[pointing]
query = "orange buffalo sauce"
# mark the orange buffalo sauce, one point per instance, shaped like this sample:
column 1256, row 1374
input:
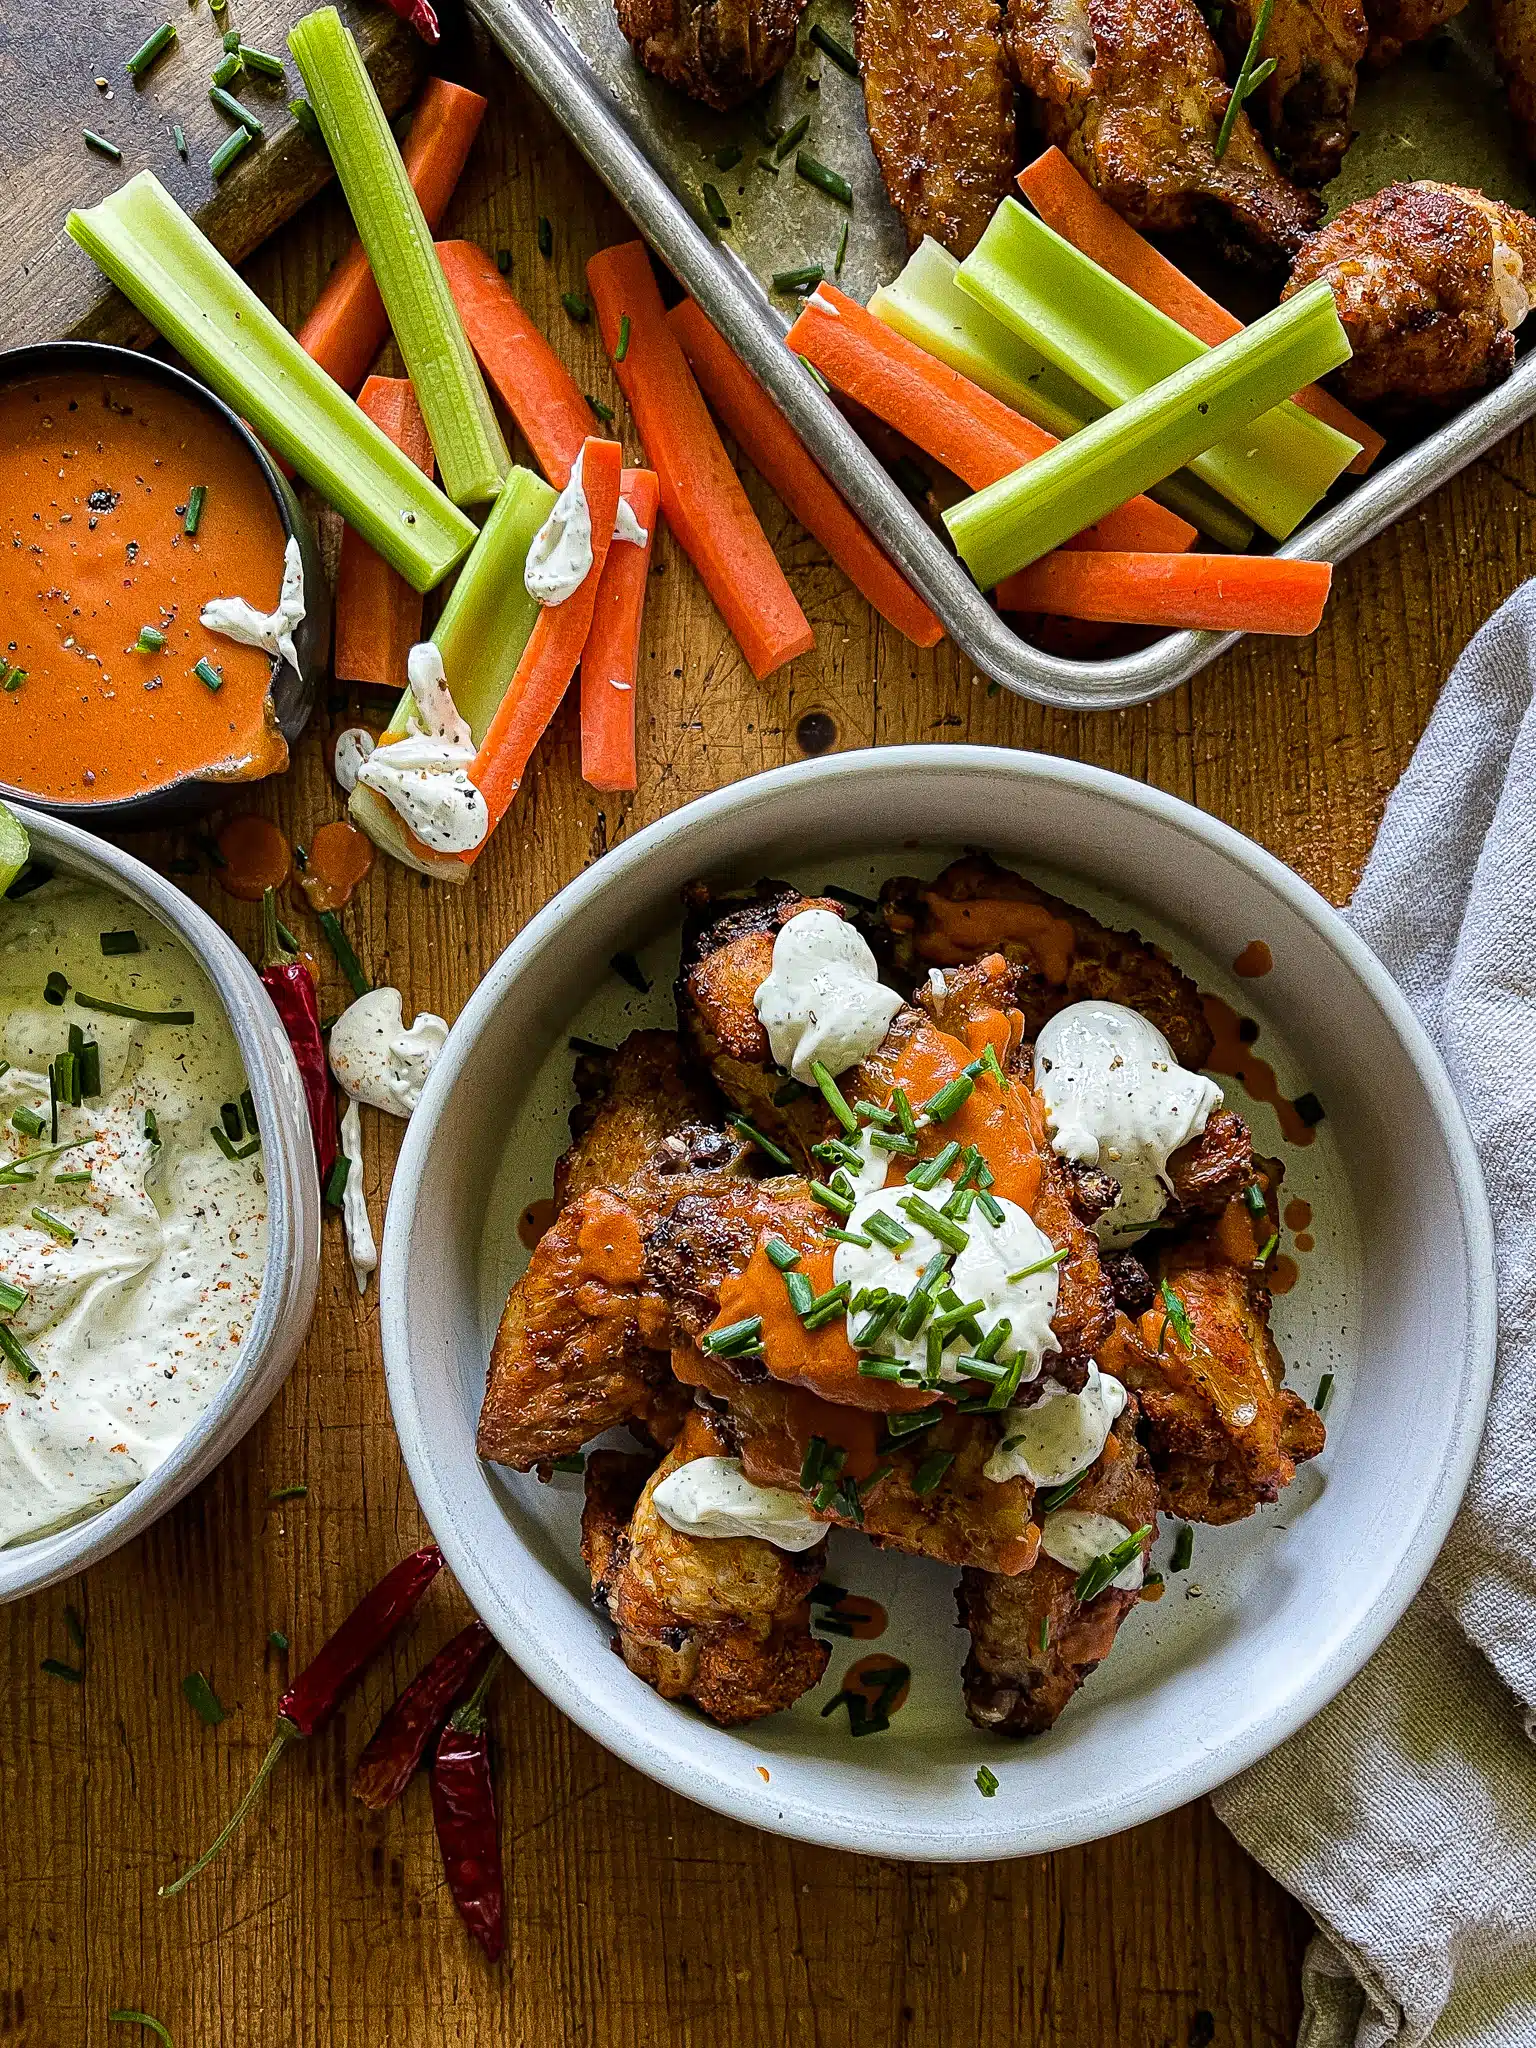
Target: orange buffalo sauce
column 962, row 927
column 97, row 475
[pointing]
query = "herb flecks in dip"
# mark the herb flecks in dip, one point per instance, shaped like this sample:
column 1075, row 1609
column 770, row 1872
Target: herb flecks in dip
column 94, row 494
column 140, row 1280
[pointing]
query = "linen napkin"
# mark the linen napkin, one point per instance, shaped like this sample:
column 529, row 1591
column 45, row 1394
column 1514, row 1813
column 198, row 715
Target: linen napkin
column 1404, row 1816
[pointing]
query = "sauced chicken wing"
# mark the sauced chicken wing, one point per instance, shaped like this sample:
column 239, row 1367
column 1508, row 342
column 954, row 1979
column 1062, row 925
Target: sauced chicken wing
column 1063, row 955
column 1134, row 92
column 1224, row 1433
column 1033, row 1642
column 723, row 1621
column 938, row 96
column 1514, row 40
column 1305, row 106
column 1394, row 24
column 629, row 1102
column 717, row 51
column 1431, row 282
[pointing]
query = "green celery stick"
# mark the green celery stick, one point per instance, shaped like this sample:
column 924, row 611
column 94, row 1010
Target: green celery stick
column 15, row 848
column 926, row 305
column 1023, row 516
column 1116, row 346
column 481, row 635
column 159, row 259
column 471, row 454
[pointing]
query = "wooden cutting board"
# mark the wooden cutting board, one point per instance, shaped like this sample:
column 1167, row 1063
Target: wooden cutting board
column 61, row 72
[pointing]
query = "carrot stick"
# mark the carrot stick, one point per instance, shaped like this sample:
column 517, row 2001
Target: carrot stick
column 378, row 615
column 972, row 433
column 611, row 657
column 347, row 325
column 1206, row 593
column 526, row 374
column 701, row 494
column 774, row 449
column 1065, row 201
column 554, row 648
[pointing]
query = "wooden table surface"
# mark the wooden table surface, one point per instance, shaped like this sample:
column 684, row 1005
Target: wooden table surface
column 634, row 1917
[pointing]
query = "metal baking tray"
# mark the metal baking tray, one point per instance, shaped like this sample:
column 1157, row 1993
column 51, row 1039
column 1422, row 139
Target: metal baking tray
column 1439, row 113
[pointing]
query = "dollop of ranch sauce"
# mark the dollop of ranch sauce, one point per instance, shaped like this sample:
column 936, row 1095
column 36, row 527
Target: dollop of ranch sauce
column 627, row 527
column 1060, row 1435
column 135, row 1324
column 1116, row 1098
column 237, row 619
column 378, row 1061
column 353, row 746
column 823, row 999
column 425, row 775
column 1074, row 1537
column 713, row 1497
column 560, row 553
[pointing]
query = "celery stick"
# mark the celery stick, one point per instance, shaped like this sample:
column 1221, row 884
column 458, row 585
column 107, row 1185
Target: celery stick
column 15, row 848
column 1023, row 516
column 481, row 635
column 925, row 304
column 1116, row 345
column 144, row 242
column 468, row 444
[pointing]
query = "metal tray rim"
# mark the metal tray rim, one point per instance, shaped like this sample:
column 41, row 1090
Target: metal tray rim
column 600, row 128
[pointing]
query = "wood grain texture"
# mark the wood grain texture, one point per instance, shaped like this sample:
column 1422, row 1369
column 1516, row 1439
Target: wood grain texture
column 61, row 71
column 634, row 1918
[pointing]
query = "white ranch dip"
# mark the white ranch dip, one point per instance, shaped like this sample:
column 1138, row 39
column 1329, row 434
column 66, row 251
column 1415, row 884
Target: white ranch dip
column 134, row 1326
column 712, row 1497
column 823, row 1001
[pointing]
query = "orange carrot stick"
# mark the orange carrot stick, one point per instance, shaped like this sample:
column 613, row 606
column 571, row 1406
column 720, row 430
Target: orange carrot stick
column 347, row 325
column 378, row 615
column 1065, row 201
column 525, row 373
column 701, row 494
column 1206, row 593
column 554, row 648
column 611, row 657
column 972, row 433
column 774, row 449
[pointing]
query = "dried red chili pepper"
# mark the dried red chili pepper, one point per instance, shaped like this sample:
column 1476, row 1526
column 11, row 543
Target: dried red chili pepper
column 316, row 1693
column 464, row 1808
column 421, row 17
column 287, row 981
column 389, row 1762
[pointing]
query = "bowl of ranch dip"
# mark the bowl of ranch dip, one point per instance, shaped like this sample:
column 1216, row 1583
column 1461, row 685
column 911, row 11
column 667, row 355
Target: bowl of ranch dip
column 159, row 1211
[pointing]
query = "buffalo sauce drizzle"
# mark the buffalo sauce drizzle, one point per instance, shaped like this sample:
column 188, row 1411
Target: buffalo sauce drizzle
column 961, row 928
column 1233, row 1054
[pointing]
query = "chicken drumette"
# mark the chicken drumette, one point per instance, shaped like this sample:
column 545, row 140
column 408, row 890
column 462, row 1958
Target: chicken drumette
column 1304, row 108
column 717, row 51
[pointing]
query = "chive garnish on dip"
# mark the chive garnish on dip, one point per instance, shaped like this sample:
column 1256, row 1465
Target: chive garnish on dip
column 55, row 989
column 840, row 53
column 837, row 1152
column 150, row 50
column 121, row 942
column 12, row 1297
column 816, row 173
column 714, row 205
column 1324, row 1389
column 109, row 1009
column 1057, row 1496
column 196, row 499
column 836, row 1101
column 28, row 1122
column 17, row 1356
column 849, row 1237
column 958, row 1207
column 231, row 1151
column 766, row 1145
column 55, row 1226
column 205, row 672
column 1093, row 1578
column 932, row 1171
column 952, row 1096
column 783, row 1255
column 887, row 1231
column 892, row 1141
column 1056, row 1258
column 948, row 1234
column 736, row 1339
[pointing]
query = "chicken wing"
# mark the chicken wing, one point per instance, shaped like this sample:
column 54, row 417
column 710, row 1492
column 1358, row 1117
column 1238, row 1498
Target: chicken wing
column 1063, row 955
column 1431, row 282
column 938, row 97
column 1514, row 42
column 1033, row 1642
column 723, row 1621
column 1304, row 108
column 1394, row 24
column 629, row 1102
column 1134, row 92
column 1223, row 1432
column 717, row 51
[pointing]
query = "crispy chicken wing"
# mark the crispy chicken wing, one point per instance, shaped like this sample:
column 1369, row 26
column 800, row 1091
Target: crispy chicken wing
column 629, row 1102
column 1033, row 1642
column 1514, row 40
column 1394, row 24
column 1063, row 954
column 1134, row 92
column 1224, row 1433
column 1304, row 108
column 938, row 96
column 717, row 51
column 723, row 1621
column 1431, row 282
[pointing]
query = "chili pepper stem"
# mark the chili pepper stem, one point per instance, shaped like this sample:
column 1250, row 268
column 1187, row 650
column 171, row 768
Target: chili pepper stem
column 273, row 952
column 285, row 1734
column 471, row 1716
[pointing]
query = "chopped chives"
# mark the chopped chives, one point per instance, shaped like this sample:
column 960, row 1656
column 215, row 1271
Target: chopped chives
column 907, row 1422
column 816, row 173
column 801, row 1292
column 228, row 67
column 892, row 1141
column 880, row 1319
column 623, row 348
column 805, row 279
column 341, row 946
column 826, row 1306
column 763, row 163
column 957, row 1317
column 231, row 39
column 887, row 1231
column 952, row 1096
column 12, row 1297
column 546, row 236
column 233, row 110
column 231, row 1151
column 14, row 678
column 1094, row 1577
column 57, row 1668
column 991, row 1208
column 109, row 1009
column 833, row 1199
column 102, row 146
column 735, row 1338
column 576, row 307
column 151, row 50
column 55, row 989
column 1253, row 1195
column 840, row 53
column 836, row 1101
column 1044, row 1639
column 790, row 137
column 901, row 1102
column 1056, row 1258
column 260, row 61
column 1324, row 1389
column 278, row 1641
column 1176, row 1314
column 336, row 1183
column 202, row 1699
column 932, row 1171
column 1265, row 1255
column 604, row 412
column 931, row 1471
column 280, row 1493
column 884, row 1369
column 504, row 261
column 196, row 498
column 74, row 1179
column 230, row 1117
column 783, row 1255
column 628, row 968
column 958, row 1207
column 203, row 668
column 715, row 206
column 754, row 1136
column 151, row 1127
column 849, row 1237
column 872, row 1113
column 150, row 641
column 842, row 252
column 948, row 1233
column 28, row 1122
column 17, row 1356
column 983, row 1369
column 232, row 146
column 248, row 1110
column 179, row 138
column 837, row 1152
column 812, row 1463
column 986, row 1780
column 55, row 1226
column 74, row 1627
column 307, row 121
column 1183, row 1548
column 995, row 1339
column 1309, row 1109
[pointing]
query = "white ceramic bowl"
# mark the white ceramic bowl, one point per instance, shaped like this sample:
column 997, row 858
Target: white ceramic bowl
column 1397, row 1300
column 287, row 1296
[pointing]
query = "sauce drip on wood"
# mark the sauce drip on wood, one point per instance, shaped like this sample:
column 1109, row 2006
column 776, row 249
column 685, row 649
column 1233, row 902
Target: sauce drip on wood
column 256, row 857
column 340, row 857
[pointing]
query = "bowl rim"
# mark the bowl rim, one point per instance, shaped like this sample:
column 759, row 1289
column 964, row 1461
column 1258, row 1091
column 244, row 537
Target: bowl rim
column 667, row 1760
column 125, row 813
column 291, row 1275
